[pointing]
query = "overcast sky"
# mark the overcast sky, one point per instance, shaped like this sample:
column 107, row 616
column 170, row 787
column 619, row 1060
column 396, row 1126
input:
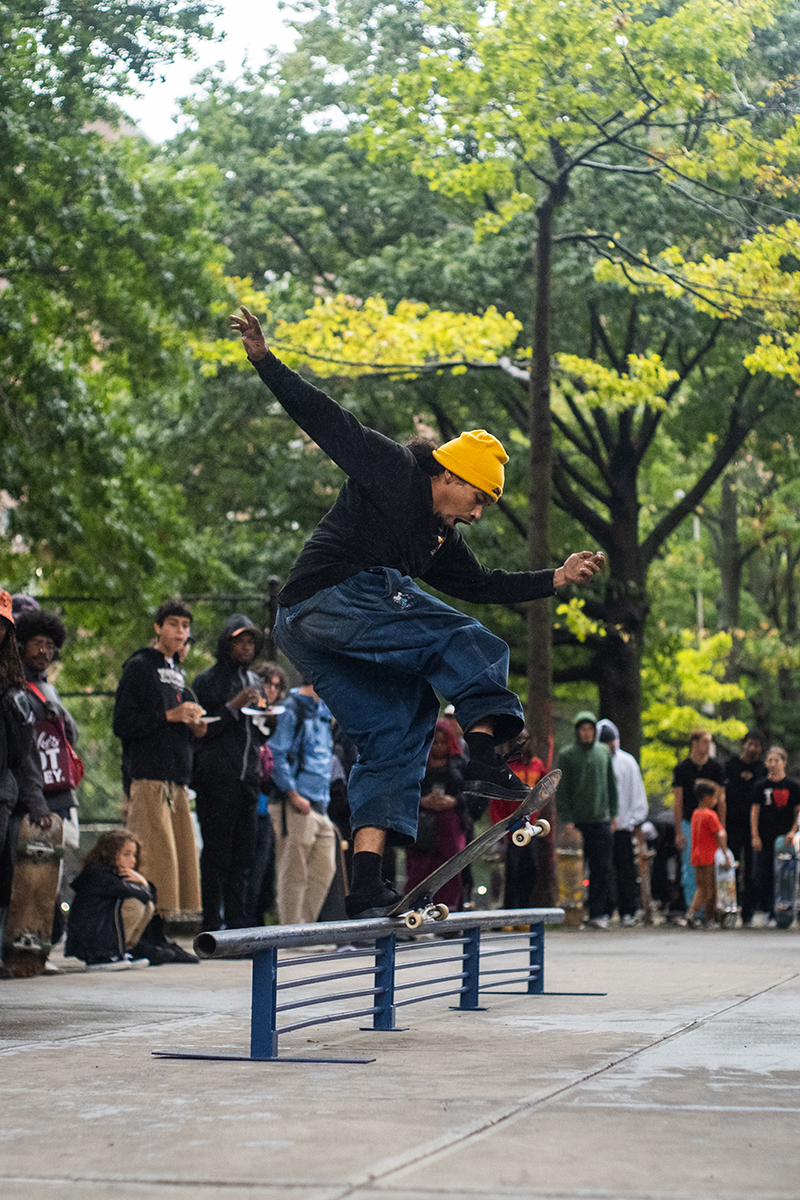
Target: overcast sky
column 249, row 27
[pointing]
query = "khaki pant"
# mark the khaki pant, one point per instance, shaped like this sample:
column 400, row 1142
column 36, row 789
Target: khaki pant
column 305, row 863
column 158, row 817
column 136, row 916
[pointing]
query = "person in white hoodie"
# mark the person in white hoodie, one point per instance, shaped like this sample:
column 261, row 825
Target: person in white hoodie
column 630, row 817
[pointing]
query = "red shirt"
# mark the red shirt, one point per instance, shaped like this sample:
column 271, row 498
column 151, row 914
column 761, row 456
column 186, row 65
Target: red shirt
column 705, row 825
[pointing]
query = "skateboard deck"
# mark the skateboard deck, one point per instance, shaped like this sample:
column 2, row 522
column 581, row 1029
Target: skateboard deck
column 418, row 904
column 29, row 922
column 569, row 877
column 644, row 863
column 725, row 881
column 787, row 884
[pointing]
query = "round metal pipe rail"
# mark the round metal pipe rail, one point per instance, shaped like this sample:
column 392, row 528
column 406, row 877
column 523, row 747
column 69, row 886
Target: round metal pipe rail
column 242, row 943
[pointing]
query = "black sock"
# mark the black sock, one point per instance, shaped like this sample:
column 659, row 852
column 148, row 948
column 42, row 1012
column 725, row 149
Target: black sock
column 366, row 871
column 480, row 746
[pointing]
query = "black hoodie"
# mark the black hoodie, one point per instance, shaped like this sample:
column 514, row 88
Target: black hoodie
column 229, row 751
column 154, row 748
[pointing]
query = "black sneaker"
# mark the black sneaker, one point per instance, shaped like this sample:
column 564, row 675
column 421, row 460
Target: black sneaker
column 372, row 904
column 495, row 780
column 177, row 954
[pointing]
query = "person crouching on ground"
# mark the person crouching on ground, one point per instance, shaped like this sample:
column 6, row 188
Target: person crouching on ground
column 707, row 836
column 113, row 905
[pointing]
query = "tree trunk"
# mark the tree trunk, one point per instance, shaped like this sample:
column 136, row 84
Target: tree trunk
column 619, row 656
column 730, row 557
column 540, row 614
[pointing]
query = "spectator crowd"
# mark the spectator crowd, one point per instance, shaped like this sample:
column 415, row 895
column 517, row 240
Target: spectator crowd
column 267, row 769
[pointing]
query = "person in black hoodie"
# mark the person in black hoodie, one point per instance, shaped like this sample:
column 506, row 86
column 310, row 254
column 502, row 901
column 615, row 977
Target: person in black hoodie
column 157, row 719
column 20, row 771
column 226, row 772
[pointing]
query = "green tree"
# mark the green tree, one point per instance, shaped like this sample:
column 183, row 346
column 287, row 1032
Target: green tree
column 508, row 108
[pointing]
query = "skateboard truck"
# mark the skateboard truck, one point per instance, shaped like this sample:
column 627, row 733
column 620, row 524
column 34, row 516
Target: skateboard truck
column 426, row 912
column 523, row 835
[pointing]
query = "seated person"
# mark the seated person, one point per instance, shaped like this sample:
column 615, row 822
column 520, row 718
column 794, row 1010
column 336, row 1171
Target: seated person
column 113, row 924
column 113, row 905
column 443, row 820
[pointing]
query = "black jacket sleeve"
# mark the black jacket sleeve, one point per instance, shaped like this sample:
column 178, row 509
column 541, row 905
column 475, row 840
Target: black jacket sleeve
column 365, row 455
column 456, row 571
column 214, row 692
column 139, row 706
column 23, row 755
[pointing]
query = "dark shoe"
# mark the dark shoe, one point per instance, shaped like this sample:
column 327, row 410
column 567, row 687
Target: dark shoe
column 179, row 955
column 495, row 780
column 159, row 953
column 371, row 904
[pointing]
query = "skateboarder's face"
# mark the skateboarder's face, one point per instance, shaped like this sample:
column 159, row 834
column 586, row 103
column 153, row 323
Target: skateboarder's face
column 457, row 502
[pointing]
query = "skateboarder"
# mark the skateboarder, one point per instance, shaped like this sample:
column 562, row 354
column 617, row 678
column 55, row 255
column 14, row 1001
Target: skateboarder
column 377, row 647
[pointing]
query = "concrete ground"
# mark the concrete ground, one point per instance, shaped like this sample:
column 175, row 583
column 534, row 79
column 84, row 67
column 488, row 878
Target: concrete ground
column 659, row 1063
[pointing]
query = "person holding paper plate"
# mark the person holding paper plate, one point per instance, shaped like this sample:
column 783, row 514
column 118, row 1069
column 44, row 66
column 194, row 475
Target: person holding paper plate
column 226, row 771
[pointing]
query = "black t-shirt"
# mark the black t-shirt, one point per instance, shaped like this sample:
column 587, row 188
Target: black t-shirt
column 777, row 802
column 686, row 775
column 383, row 516
column 740, row 778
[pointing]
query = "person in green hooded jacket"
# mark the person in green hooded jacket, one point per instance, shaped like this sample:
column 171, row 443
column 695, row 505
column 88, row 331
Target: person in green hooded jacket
column 586, row 800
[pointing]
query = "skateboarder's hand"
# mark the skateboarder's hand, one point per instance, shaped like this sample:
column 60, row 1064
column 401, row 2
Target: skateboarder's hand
column 756, row 843
column 579, row 568
column 252, row 337
column 46, row 821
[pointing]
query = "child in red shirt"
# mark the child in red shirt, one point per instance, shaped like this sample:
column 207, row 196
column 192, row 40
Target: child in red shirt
column 707, row 836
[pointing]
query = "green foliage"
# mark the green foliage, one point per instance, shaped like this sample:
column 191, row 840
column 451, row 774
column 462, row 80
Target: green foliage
column 682, row 687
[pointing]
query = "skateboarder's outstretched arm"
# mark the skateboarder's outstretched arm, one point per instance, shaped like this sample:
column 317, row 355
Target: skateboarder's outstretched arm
column 362, row 453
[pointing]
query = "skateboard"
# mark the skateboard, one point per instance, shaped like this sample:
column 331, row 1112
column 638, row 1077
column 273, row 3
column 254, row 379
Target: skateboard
column 417, row 906
column 725, row 880
column 644, row 857
column 571, row 888
column 787, row 884
column 29, row 922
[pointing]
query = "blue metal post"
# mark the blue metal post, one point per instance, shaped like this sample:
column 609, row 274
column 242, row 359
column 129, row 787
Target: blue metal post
column 536, row 959
column 263, row 1015
column 385, row 948
column 471, row 958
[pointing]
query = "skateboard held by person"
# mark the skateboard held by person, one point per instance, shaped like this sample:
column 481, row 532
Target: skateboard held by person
column 29, row 924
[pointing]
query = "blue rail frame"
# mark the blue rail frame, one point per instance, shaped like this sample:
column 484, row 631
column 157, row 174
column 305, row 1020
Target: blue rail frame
column 388, row 987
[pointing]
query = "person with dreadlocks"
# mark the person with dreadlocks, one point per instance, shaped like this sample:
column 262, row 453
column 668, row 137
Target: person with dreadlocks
column 20, row 772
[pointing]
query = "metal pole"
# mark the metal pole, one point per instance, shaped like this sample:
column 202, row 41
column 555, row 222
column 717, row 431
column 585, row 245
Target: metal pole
column 536, row 960
column 471, row 958
column 385, row 948
column 263, row 1015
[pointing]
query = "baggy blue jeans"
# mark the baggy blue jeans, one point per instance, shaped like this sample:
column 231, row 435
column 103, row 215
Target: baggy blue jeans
column 378, row 649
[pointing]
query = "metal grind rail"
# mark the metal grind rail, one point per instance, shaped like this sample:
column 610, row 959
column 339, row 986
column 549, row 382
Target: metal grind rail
column 464, row 943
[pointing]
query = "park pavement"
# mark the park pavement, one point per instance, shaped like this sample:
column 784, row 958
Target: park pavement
column 658, row 1063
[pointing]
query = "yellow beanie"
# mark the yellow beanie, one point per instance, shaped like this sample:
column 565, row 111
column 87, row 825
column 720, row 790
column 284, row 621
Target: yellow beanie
column 477, row 457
